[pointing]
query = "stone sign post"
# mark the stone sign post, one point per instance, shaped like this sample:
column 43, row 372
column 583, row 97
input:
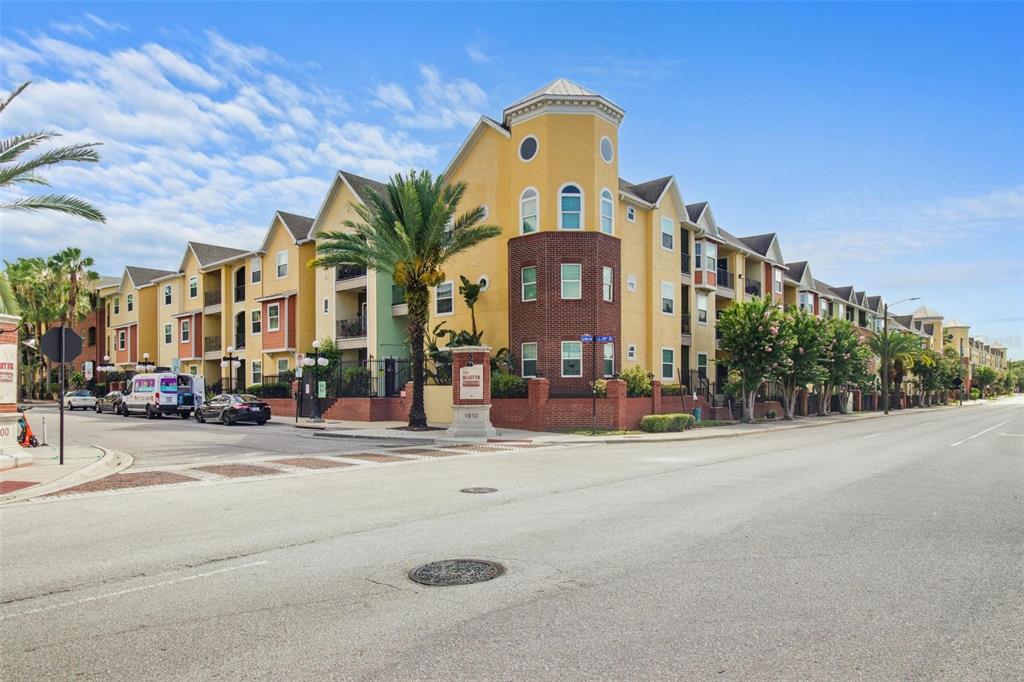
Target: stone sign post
column 9, row 383
column 471, row 393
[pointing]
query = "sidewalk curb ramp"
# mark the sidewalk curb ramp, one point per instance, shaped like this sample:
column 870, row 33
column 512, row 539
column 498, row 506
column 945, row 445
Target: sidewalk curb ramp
column 111, row 462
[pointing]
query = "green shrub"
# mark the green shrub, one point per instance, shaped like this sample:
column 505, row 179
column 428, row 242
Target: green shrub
column 714, row 422
column 671, row 389
column 600, row 388
column 638, row 383
column 271, row 390
column 771, row 414
column 355, row 381
column 508, row 386
column 661, row 423
column 975, row 394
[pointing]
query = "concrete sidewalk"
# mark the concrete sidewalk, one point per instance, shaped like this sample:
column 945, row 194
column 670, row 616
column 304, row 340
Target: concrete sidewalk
column 46, row 475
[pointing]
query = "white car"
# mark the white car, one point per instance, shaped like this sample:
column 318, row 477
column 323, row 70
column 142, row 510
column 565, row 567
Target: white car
column 79, row 400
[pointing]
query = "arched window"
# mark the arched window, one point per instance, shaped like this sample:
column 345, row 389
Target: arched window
column 570, row 208
column 528, row 210
column 607, row 212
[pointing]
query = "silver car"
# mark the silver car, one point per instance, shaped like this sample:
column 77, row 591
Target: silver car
column 79, row 400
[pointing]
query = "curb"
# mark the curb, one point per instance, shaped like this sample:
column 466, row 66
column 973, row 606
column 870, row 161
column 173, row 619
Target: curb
column 13, row 461
column 112, row 462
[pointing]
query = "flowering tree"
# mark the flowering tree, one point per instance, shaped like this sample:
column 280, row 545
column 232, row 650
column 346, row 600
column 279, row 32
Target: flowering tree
column 803, row 365
column 755, row 338
column 844, row 361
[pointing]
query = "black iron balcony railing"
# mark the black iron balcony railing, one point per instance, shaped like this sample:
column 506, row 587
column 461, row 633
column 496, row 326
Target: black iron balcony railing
column 718, row 333
column 397, row 294
column 348, row 272
column 211, row 297
column 685, row 263
column 352, row 328
column 686, row 323
column 753, row 288
column 211, row 343
column 725, row 278
column 239, row 293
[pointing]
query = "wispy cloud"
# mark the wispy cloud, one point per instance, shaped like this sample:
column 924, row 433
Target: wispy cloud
column 108, row 26
column 439, row 104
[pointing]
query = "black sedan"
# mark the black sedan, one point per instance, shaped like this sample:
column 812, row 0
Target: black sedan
column 111, row 403
column 231, row 408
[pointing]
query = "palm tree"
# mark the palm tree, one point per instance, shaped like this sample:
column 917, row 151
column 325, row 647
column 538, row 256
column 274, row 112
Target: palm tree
column 8, row 303
column 470, row 292
column 409, row 231
column 14, row 172
column 35, row 289
column 74, row 275
column 902, row 349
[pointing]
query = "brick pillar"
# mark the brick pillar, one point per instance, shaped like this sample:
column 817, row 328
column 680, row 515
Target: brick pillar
column 655, row 397
column 471, row 393
column 537, row 393
column 617, row 399
column 9, row 383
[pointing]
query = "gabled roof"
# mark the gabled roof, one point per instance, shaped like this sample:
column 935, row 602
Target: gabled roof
column 485, row 123
column 298, row 225
column 925, row 312
column 800, row 272
column 693, row 211
column 858, row 297
column 735, row 242
column 357, row 184
column 104, row 282
column 845, row 293
column 766, row 245
column 824, row 289
column 362, row 186
column 649, row 191
column 208, row 254
column 874, row 303
column 140, row 277
column 955, row 324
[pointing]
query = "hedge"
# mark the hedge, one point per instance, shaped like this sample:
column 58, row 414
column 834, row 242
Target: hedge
column 661, row 423
column 508, row 386
column 671, row 389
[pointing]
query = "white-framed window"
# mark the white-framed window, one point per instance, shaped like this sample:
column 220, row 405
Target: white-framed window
column 193, row 286
column 257, row 371
column 631, row 282
column 710, row 257
column 607, row 150
column 186, row 330
column 255, row 270
column 256, row 322
column 572, row 286
column 327, row 306
column 631, row 214
column 282, row 365
column 444, row 298
column 168, row 334
column 702, row 364
column 528, row 148
column 607, row 283
column 529, row 276
column 806, row 302
column 608, row 366
column 668, row 233
column 570, row 207
column 274, row 317
column 778, row 280
column 529, row 211
column 168, row 297
column 702, row 308
column 668, row 298
column 631, row 351
column 698, row 247
column 572, row 358
column 130, row 299
column 529, row 361
column 668, row 364
column 117, row 305
column 121, row 339
column 842, row 311
column 607, row 212
column 282, row 264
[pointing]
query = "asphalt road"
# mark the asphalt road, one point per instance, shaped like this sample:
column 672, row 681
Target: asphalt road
column 880, row 549
column 175, row 441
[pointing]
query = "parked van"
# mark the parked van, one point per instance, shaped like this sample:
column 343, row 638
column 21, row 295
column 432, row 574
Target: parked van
column 155, row 395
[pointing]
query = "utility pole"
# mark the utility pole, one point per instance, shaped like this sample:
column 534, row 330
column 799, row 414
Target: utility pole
column 885, row 359
column 961, row 372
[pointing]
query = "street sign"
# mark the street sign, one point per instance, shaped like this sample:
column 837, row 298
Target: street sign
column 587, row 338
column 50, row 345
column 605, row 339
column 321, row 389
column 87, row 370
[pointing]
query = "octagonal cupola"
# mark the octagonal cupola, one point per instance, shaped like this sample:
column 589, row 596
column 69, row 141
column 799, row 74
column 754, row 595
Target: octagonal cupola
column 562, row 96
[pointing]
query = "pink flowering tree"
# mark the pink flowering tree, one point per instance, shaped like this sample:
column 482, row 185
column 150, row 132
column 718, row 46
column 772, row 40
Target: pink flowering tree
column 803, row 366
column 757, row 343
column 845, row 362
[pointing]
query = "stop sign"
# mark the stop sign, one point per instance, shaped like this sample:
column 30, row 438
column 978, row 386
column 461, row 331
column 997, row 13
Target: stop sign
column 50, row 345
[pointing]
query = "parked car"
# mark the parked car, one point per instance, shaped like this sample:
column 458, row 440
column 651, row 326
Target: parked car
column 111, row 403
column 160, row 393
column 231, row 408
column 79, row 400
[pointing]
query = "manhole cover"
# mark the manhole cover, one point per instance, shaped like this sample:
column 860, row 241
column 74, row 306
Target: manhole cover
column 456, row 572
column 479, row 491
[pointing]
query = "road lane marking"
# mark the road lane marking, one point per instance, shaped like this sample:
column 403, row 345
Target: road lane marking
column 1011, row 435
column 162, row 583
column 979, row 433
column 874, row 435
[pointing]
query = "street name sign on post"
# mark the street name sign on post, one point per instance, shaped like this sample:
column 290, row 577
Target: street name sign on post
column 587, row 338
column 591, row 338
column 61, row 345
column 605, row 339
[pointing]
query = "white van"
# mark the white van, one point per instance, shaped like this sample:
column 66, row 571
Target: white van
column 161, row 393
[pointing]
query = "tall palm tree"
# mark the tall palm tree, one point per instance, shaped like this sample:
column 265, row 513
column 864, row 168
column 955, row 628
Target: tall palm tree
column 409, row 231
column 902, row 349
column 36, row 292
column 14, row 172
column 74, row 276
column 8, row 303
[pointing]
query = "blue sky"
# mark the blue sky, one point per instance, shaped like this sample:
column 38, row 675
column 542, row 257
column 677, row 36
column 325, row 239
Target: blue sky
column 883, row 142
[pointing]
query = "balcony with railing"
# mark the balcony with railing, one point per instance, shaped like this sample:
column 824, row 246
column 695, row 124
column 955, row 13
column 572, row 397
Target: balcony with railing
column 343, row 272
column 685, row 328
column 752, row 288
column 726, row 279
column 211, row 298
column 352, row 328
column 211, row 344
column 684, row 264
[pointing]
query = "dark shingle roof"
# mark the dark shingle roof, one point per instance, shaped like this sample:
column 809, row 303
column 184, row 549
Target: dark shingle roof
column 649, row 191
column 733, row 241
column 298, row 225
column 858, row 297
column 874, row 303
column 207, row 254
column 843, row 292
column 796, row 270
column 362, row 185
column 694, row 210
column 143, row 276
column 760, row 243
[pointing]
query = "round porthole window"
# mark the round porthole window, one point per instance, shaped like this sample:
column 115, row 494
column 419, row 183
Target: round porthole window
column 483, row 282
column 528, row 148
column 607, row 150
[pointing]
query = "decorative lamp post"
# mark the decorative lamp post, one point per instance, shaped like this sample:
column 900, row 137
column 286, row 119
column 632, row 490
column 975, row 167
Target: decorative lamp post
column 885, row 347
column 230, row 363
column 106, row 366
column 145, row 365
column 316, row 362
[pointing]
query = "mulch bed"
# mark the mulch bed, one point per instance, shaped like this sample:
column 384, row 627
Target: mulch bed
column 376, row 458
column 11, row 486
column 238, row 470
column 123, row 481
column 312, row 463
column 419, row 451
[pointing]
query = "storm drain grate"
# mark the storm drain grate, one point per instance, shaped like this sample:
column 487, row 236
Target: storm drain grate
column 456, row 572
column 478, row 491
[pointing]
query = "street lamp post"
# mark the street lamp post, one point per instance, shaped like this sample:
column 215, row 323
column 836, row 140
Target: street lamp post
column 885, row 347
column 145, row 365
column 316, row 362
column 231, row 363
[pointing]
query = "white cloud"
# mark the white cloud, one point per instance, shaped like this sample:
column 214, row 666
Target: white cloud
column 477, row 54
column 439, row 104
column 109, row 26
column 393, row 96
column 73, row 29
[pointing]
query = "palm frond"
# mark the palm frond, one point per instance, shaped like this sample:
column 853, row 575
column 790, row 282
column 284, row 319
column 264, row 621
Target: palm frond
column 82, row 153
column 15, row 93
column 56, row 202
column 12, row 147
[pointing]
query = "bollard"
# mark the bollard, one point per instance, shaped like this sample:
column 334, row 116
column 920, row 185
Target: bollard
column 45, row 442
column 696, row 414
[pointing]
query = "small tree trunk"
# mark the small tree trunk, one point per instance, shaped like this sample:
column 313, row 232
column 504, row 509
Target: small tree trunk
column 417, row 301
column 789, row 403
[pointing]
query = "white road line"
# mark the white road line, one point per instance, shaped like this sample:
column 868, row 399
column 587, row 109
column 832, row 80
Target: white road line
column 980, row 433
column 1011, row 435
column 874, row 435
column 151, row 586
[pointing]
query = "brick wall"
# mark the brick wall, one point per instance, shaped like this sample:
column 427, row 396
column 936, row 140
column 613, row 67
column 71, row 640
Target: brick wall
column 550, row 319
